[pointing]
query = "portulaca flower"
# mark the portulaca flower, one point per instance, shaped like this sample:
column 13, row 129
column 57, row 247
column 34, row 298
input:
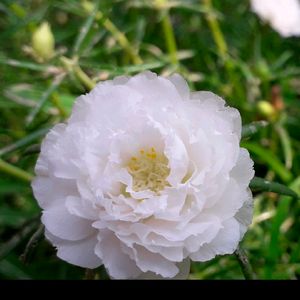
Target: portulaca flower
column 283, row 15
column 144, row 177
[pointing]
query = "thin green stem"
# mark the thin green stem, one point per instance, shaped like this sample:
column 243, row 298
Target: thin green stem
column 222, row 47
column 72, row 66
column 120, row 38
column 89, row 274
column 286, row 145
column 245, row 264
column 54, row 85
column 168, row 31
column 14, row 171
column 57, row 103
column 84, row 78
column 16, row 239
column 216, row 30
column 24, row 141
column 84, row 30
column 32, row 243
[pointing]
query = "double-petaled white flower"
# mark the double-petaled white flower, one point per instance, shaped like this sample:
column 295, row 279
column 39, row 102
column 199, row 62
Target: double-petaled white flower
column 144, row 177
column 283, row 15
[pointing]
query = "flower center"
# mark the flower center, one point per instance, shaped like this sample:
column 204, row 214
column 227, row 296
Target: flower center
column 149, row 170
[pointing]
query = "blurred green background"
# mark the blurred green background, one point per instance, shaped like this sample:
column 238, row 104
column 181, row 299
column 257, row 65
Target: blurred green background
column 216, row 45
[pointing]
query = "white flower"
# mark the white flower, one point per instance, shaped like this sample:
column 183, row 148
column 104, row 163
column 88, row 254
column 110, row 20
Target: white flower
column 145, row 176
column 283, row 15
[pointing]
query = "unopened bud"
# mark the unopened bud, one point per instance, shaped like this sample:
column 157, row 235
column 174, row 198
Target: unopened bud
column 43, row 42
column 88, row 6
column 266, row 109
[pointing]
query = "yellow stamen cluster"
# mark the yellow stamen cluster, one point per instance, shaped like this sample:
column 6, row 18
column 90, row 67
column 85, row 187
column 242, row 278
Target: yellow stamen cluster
column 149, row 170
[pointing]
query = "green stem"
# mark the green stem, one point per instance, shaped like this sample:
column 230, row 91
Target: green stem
column 216, row 30
column 168, row 32
column 24, row 141
column 54, row 85
column 14, row 171
column 286, row 145
column 84, row 78
column 89, row 274
column 71, row 65
column 16, row 239
column 222, row 47
column 120, row 37
column 32, row 243
column 56, row 101
column 244, row 264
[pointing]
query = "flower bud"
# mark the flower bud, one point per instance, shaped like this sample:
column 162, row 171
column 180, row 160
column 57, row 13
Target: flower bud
column 266, row 109
column 43, row 42
column 88, row 6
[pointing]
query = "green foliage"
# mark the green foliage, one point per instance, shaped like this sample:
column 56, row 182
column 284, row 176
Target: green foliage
column 260, row 184
column 223, row 48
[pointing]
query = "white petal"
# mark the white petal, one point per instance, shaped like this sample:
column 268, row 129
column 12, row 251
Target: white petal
column 230, row 201
column 44, row 187
column 148, row 261
column 216, row 105
column 225, row 242
column 245, row 214
column 175, row 201
column 82, row 208
column 119, row 80
column 42, row 165
column 184, row 271
column 207, row 232
column 243, row 171
column 176, row 153
column 80, row 253
column 61, row 223
column 171, row 253
column 154, row 88
column 180, row 85
column 118, row 264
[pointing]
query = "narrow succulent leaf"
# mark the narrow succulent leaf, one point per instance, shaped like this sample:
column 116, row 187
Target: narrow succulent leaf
column 55, row 84
column 260, row 184
column 24, row 141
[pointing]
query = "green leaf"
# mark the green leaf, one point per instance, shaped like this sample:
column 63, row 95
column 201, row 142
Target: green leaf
column 270, row 159
column 12, row 270
column 13, row 217
column 11, row 186
column 253, row 128
column 130, row 69
column 55, row 84
column 23, row 64
column 286, row 145
column 260, row 184
column 274, row 249
column 25, row 141
column 85, row 29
